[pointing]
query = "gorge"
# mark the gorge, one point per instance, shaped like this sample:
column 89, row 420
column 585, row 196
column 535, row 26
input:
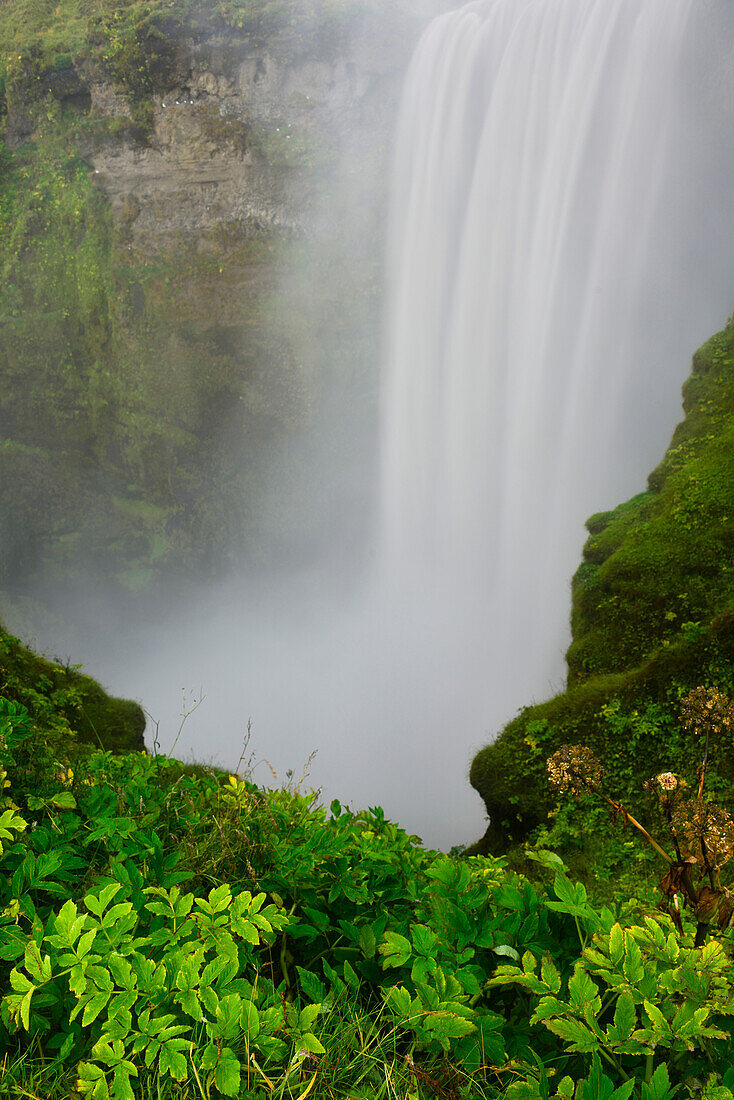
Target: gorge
column 558, row 248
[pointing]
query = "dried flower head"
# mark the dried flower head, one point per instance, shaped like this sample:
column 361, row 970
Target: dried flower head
column 666, row 781
column 707, row 710
column 707, row 831
column 574, row 768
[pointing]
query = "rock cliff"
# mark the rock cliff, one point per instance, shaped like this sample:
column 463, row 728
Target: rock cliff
column 652, row 618
column 160, row 366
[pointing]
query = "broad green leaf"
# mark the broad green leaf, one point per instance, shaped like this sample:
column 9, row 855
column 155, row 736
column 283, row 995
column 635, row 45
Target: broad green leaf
column 550, row 975
column 97, row 902
column 38, row 966
column 308, row 1016
column 220, row 899
column 578, row 1035
column 633, row 967
column 93, row 1007
column 250, row 1021
column 581, row 988
column 425, row 941
column 548, row 1008
column 447, row 1025
column 121, row 1087
column 395, row 949
column 398, row 998
column 19, row 982
column 368, row 941
column 314, row 989
column 657, row 1019
column 310, row 1043
column 172, row 1059
column 25, row 1010
column 64, row 800
column 616, row 944
column 227, row 1073
column 658, row 1088
column 625, row 1018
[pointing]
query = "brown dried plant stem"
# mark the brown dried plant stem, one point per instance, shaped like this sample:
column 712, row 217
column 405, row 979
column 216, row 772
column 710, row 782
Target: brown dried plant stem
column 619, row 808
column 702, row 769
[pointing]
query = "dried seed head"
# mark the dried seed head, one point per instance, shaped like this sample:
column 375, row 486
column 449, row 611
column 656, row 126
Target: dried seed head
column 707, row 710
column 574, row 768
column 706, row 829
column 666, row 781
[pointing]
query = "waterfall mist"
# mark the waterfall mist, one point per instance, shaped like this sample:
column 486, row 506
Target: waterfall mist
column 559, row 245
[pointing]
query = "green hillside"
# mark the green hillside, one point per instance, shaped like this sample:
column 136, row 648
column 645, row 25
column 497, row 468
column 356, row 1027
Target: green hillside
column 652, row 618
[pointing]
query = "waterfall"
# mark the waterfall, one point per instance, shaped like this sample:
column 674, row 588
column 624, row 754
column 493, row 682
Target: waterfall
column 556, row 254
column 560, row 243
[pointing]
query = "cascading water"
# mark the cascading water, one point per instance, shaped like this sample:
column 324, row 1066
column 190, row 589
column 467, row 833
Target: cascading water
column 554, row 197
column 560, row 244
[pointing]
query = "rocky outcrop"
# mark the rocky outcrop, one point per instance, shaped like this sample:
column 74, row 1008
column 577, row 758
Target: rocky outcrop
column 159, row 368
column 652, row 618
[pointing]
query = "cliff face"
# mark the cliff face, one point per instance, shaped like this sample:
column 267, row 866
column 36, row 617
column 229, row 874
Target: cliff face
column 154, row 189
column 652, row 618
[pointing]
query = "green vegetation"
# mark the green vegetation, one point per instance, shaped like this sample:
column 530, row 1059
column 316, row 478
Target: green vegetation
column 66, row 706
column 169, row 932
column 134, row 39
column 652, row 618
column 149, row 394
column 118, row 387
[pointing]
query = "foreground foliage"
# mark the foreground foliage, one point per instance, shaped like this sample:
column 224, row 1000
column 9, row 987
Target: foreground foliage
column 167, row 931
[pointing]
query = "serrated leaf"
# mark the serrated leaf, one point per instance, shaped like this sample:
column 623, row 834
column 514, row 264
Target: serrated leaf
column 424, row 940
column 97, row 903
column 64, row 800
column 38, row 966
column 625, row 1017
column 172, row 1060
column 658, row 1088
column 578, row 1035
column 657, row 1019
column 395, row 949
column 19, row 982
column 227, row 1073
column 310, row 1043
column 550, row 975
column 548, row 1008
column 398, row 998
column 508, row 951
column 25, row 1010
column 93, row 1007
column 367, row 941
column 308, row 1016
column 616, row 944
column 314, row 989
column 633, row 967
column 581, row 988
column 250, row 1021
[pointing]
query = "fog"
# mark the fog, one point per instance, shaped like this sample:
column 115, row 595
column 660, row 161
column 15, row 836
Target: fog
column 393, row 649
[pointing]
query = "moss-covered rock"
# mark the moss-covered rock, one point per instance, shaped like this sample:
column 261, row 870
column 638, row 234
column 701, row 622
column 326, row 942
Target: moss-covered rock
column 156, row 176
column 64, row 703
column 652, row 617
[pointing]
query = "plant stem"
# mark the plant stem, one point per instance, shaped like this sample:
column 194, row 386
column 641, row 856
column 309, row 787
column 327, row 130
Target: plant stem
column 703, row 765
column 633, row 821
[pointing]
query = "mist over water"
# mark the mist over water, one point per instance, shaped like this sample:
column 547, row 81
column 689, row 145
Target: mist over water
column 560, row 236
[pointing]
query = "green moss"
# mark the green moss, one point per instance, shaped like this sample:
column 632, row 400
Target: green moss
column 64, row 703
column 653, row 616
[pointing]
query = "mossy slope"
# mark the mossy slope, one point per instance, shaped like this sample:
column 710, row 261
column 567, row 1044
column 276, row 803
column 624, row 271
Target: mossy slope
column 66, row 704
column 652, row 616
